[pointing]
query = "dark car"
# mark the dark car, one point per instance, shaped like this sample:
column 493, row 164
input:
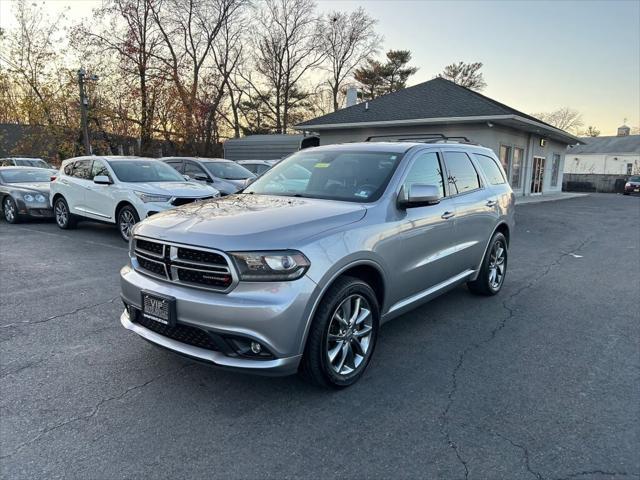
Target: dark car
column 225, row 176
column 24, row 192
column 632, row 185
column 23, row 162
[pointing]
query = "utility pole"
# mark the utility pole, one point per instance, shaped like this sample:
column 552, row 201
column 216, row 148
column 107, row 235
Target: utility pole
column 84, row 106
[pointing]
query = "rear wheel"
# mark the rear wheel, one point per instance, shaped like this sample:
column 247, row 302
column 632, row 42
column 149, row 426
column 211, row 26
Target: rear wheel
column 127, row 218
column 64, row 218
column 494, row 267
column 343, row 335
column 10, row 210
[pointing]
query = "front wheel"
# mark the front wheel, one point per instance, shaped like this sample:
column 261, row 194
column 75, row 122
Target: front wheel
column 494, row 267
column 343, row 335
column 10, row 210
column 127, row 218
column 64, row 218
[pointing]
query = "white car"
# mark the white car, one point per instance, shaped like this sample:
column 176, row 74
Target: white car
column 120, row 190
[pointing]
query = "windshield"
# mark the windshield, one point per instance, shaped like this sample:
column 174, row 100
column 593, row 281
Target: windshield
column 634, row 179
column 228, row 170
column 26, row 175
column 138, row 171
column 31, row 162
column 335, row 175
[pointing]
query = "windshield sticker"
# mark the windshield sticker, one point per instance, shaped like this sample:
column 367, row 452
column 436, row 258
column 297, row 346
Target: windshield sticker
column 362, row 194
column 322, row 165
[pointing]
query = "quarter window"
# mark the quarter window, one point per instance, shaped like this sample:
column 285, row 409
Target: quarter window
column 82, row 169
column 490, row 169
column 462, row 174
column 425, row 170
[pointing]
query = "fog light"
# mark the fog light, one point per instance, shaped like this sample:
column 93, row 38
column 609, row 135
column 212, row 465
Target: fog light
column 256, row 347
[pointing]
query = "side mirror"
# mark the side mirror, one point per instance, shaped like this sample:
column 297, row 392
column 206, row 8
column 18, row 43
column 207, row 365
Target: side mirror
column 201, row 177
column 187, row 178
column 419, row 195
column 102, row 180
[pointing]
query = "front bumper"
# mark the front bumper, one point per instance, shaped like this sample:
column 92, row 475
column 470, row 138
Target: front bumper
column 272, row 313
column 35, row 209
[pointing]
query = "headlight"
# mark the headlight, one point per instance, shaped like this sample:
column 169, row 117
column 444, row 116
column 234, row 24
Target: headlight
column 626, row 185
column 41, row 198
column 28, row 197
column 149, row 197
column 270, row 266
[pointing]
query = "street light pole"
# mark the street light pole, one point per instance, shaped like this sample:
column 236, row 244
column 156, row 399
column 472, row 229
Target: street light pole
column 84, row 106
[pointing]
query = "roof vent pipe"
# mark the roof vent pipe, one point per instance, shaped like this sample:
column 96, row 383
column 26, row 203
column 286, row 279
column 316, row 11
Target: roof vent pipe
column 366, row 106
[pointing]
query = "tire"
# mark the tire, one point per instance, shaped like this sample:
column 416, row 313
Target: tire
column 64, row 218
column 486, row 283
column 127, row 218
column 10, row 210
column 330, row 339
column 625, row 193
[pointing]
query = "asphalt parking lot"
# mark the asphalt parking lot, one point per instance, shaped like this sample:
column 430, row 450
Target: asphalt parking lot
column 540, row 382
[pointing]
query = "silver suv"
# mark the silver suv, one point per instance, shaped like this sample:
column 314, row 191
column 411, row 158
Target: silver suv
column 299, row 271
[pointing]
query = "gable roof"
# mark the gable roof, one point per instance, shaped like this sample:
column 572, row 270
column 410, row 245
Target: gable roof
column 608, row 145
column 428, row 102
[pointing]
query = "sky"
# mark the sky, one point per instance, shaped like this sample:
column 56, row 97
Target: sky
column 538, row 55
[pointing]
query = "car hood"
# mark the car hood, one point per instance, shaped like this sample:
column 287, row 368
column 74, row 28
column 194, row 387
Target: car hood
column 250, row 222
column 40, row 187
column 174, row 189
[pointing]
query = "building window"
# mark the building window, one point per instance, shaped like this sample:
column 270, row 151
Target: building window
column 629, row 168
column 516, row 167
column 555, row 169
column 505, row 157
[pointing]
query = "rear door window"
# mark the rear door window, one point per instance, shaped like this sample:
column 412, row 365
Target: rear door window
column 193, row 169
column 490, row 169
column 82, row 169
column 462, row 175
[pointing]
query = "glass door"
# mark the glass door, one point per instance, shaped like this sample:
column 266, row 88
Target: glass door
column 537, row 176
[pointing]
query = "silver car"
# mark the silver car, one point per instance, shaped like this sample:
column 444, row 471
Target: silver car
column 298, row 273
column 226, row 176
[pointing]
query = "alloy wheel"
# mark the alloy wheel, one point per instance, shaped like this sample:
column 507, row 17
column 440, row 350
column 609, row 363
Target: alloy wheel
column 497, row 265
column 62, row 215
column 9, row 210
column 349, row 337
column 127, row 221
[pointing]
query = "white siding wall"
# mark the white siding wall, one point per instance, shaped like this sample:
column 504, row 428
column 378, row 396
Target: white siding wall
column 610, row 164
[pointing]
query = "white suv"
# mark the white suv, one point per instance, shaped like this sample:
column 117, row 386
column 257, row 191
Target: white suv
column 120, row 190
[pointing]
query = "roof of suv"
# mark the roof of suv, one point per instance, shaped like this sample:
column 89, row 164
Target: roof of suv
column 396, row 147
column 198, row 159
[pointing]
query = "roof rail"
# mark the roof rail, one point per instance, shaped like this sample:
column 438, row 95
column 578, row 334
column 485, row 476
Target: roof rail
column 424, row 138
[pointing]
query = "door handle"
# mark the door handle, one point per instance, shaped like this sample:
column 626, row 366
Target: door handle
column 491, row 203
column 447, row 215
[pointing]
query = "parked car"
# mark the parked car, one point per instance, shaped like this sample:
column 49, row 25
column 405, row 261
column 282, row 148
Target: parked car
column 224, row 175
column 632, row 185
column 299, row 276
column 24, row 162
column 120, row 190
column 24, row 192
column 257, row 167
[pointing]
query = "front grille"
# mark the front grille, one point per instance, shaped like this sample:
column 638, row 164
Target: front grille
column 180, row 333
column 183, row 265
column 184, row 201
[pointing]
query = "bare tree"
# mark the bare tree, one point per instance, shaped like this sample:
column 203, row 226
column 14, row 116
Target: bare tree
column 190, row 30
column 591, row 131
column 564, row 118
column 465, row 74
column 348, row 40
column 286, row 49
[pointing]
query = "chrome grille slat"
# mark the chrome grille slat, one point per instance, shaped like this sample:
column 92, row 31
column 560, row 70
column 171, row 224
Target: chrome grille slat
column 215, row 276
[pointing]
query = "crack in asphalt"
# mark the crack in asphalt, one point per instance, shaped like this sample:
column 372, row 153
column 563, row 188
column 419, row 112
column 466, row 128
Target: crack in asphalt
column 444, row 429
column 94, row 411
column 44, row 320
column 525, row 452
column 599, row 472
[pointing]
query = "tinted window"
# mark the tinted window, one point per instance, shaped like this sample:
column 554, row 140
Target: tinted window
column 354, row 176
column 253, row 168
column 193, row 169
column 426, row 170
column 228, row 170
column 32, row 162
column 136, row 171
column 99, row 168
column 260, row 169
column 462, row 174
column 6, row 162
column 82, row 169
column 68, row 169
column 177, row 164
column 490, row 169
